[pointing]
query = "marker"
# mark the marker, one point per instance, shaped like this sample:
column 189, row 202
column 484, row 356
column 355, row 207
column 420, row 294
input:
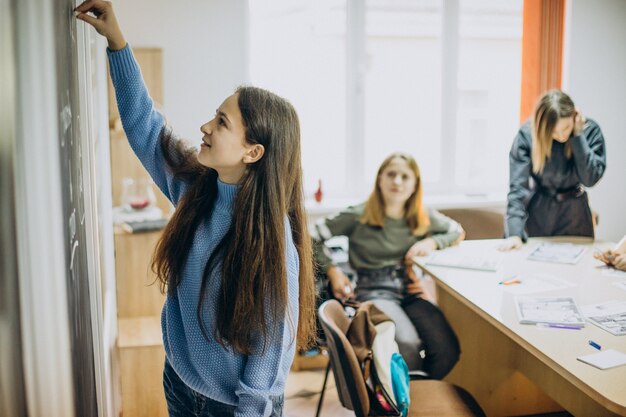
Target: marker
column 558, row 326
column 595, row 345
column 510, row 281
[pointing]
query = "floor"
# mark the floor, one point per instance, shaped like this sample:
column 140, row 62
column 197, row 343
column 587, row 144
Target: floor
column 302, row 395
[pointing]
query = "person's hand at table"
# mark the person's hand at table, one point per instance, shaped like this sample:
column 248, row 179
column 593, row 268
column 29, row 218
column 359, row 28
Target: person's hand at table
column 612, row 258
column 511, row 243
column 620, row 261
column 422, row 248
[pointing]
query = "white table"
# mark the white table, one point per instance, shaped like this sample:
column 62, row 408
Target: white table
column 512, row 368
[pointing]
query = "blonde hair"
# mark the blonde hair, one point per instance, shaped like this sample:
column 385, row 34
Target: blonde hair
column 552, row 106
column 414, row 212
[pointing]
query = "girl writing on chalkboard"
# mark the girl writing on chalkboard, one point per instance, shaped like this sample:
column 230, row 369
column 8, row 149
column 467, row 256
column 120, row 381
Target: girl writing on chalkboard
column 235, row 258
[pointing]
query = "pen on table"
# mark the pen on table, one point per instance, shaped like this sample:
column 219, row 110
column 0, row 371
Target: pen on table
column 558, row 326
column 510, row 281
column 595, row 345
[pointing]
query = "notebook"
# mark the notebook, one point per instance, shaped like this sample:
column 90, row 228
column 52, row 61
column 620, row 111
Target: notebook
column 606, row 359
column 562, row 253
column 549, row 310
column 453, row 259
column 609, row 315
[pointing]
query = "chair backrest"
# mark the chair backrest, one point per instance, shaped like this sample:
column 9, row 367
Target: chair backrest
column 343, row 361
column 478, row 223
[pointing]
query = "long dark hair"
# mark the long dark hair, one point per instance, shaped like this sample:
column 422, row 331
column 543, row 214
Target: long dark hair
column 254, row 288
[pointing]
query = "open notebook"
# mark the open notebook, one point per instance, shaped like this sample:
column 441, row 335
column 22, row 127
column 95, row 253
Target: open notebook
column 562, row 253
column 549, row 310
column 454, row 259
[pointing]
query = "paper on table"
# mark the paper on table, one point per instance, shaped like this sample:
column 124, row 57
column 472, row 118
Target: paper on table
column 612, row 272
column 563, row 253
column 610, row 316
column 550, row 310
column 606, row 359
column 452, row 258
column 537, row 283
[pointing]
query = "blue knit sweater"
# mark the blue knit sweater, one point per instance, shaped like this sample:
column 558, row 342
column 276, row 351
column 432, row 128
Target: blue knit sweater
column 246, row 382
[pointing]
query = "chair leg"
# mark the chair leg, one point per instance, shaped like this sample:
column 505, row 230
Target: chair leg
column 319, row 403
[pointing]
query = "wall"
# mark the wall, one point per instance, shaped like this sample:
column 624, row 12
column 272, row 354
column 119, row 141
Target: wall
column 594, row 68
column 205, row 49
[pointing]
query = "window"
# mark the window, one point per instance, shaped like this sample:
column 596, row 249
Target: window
column 437, row 79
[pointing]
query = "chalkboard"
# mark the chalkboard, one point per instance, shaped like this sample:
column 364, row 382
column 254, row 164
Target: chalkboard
column 71, row 143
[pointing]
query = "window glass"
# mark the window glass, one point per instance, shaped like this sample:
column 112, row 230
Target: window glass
column 297, row 50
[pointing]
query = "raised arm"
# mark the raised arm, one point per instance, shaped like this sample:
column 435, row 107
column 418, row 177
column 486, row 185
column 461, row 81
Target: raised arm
column 589, row 153
column 142, row 123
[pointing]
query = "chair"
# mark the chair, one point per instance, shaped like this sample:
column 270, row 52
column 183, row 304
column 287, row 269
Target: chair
column 478, row 223
column 428, row 397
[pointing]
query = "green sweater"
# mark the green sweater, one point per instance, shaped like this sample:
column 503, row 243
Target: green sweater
column 372, row 247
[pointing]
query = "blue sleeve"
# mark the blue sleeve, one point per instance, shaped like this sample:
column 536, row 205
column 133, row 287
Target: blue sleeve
column 142, row 123
column 262, row 371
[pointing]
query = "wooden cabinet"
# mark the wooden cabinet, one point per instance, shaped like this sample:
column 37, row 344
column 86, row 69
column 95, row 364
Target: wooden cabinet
column 139, row 300
column 138, row 292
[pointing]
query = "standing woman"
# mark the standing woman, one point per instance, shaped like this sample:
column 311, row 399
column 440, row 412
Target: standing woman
column 384, row 234
column 552, row 159
column 235, row 259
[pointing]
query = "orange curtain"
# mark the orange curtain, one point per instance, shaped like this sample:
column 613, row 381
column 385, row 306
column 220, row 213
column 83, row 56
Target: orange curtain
column 542, row 50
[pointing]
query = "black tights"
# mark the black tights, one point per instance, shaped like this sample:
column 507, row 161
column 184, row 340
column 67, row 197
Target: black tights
column 438, row 339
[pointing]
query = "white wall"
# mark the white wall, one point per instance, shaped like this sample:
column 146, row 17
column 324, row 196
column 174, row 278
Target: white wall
column 205, row 49
column 595, row 76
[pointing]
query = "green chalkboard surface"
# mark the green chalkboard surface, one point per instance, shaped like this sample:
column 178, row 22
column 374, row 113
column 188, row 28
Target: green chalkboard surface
column 71, row 150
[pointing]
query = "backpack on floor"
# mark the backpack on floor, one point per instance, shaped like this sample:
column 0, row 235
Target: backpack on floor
column 372, row 335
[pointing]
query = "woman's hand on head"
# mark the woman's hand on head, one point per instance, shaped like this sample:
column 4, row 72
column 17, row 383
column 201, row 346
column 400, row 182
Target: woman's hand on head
column 340, row 284
column 579, row 122
column 103, row 20
column 510, row 243
column 422, row 248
